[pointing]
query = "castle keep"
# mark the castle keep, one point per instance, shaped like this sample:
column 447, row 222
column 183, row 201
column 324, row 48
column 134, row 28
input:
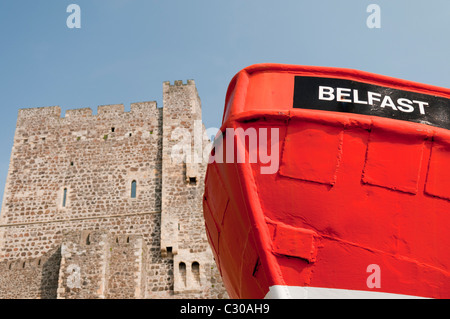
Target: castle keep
column 95, row 207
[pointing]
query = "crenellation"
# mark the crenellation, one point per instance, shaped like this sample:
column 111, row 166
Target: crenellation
column 111, row 110
column 47, row 112
column 101, row 192
column 19, row 264
column 144, row 107
column 76, row 114
column 178, row 83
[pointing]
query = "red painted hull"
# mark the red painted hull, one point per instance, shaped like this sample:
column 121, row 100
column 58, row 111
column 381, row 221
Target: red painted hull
column 358, row 203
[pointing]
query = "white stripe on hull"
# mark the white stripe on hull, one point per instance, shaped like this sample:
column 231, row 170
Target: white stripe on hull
column 294, row 292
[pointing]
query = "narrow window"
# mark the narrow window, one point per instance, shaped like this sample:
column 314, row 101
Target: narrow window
column 64, row 198
column 133, row 189
column 113, row 129
column 182, row 269
column 196, row 271
column 88, row 239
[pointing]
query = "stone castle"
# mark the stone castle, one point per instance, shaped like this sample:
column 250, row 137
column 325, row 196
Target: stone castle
column 96, row 207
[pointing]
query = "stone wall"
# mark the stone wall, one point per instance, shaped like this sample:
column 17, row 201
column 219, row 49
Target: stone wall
column 183, row 178
column 127, row 267
column 74, row 175
column 98, row 265
column 31, row 278
column 84, row 265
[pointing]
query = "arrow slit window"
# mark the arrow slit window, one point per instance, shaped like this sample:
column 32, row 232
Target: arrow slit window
column 133, row 189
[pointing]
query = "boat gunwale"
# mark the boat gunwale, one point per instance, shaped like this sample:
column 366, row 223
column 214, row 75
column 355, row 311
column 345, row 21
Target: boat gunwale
column 240, row 81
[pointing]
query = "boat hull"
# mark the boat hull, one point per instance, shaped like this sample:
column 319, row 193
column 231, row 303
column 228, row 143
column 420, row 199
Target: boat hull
column 357, row 207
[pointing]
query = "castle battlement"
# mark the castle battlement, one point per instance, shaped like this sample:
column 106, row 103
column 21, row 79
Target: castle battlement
column 112, row 110
column 143, row 106
column 126, row 240
column 179, row 83
column 20, row 264
column 78, row 113
column 40, row 112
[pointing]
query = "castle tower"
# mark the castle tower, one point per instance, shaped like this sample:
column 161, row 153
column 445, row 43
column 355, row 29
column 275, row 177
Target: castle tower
column 112, row 172
column 182, row 222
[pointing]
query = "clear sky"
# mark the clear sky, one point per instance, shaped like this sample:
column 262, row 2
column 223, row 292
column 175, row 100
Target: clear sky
column 125, row 49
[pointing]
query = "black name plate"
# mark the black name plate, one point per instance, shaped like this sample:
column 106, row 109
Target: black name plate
column 349, row 96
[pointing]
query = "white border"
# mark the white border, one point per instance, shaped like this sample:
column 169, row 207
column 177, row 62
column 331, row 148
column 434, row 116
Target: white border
column 296, row 292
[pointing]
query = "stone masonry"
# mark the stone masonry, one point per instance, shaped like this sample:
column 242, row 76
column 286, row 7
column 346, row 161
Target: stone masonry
column 95, row 206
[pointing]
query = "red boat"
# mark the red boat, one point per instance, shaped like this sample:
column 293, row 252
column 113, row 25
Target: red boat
column 330, row 183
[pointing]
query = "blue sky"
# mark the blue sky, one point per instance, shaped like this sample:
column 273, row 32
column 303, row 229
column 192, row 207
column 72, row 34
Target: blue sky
column 125, row 49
